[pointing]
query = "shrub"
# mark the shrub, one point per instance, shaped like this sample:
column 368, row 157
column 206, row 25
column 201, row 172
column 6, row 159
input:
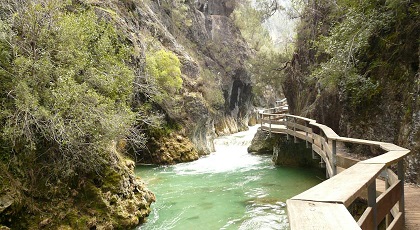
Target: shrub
column 164, row 68
column 68, row 99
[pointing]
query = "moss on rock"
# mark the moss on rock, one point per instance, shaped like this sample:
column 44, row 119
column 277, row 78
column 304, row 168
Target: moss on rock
column 171, row 149
column 111, row 198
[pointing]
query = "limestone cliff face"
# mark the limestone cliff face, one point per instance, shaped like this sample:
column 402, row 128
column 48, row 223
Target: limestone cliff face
column 212, row 53
column 225, row 52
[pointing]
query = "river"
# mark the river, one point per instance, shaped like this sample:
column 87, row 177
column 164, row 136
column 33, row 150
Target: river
column 228, row 189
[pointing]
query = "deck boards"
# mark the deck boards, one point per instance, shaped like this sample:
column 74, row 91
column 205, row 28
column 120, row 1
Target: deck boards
column 412, row 207
column 323, row 206
column 317, row 215
column 343, row 188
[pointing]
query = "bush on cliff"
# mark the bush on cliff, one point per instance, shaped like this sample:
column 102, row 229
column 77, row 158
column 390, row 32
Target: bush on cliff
column 65, row 94
column 164, row 68
column 65, row 86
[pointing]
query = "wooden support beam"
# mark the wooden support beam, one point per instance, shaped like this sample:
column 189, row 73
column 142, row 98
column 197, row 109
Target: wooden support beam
column 388, row 199
column 366, row 220
column 307, row 135
column 401, row 201
column 294, row 129
column 334, row 157
column 397, row 223
column 372, row 204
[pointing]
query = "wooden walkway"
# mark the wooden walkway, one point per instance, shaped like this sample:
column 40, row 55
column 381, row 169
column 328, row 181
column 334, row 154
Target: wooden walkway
column 412, row 207
column 324, row 205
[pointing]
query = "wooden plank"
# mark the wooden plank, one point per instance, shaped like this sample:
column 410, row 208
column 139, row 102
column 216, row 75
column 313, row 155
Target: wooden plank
column 300, row 127
column 300, row 135
column 412, row 207
column 345, row 162
column 265, row 121
column 394, row 210
column 392, row 177
column 275, row 122
column 328, row 166
column 388, row 199
column 279, row 130
column 366, row 220
column 397, row 223
column 275, row 129
column 319, row 151
column 317, row 139
column 388, row 158
column 300, row 118
column 316, row 215
column 345, row 186
column 358, row 141
column 309, row 138
column 391, row 147
column 329, row 133
column 290, row 132
column 327, row 149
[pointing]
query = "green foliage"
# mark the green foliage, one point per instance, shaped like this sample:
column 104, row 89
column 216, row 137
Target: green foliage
column 249, row 20
column 348, row 39
column 165, row 69
column 265, row 68
column 266, row 65
column 362, row 91
column 363, row 52
column 69, row 95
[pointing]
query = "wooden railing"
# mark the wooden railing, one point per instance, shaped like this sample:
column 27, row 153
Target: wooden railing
column 324, row 206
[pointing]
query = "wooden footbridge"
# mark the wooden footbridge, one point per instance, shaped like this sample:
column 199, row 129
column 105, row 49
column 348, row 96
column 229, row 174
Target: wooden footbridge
column 324, row 206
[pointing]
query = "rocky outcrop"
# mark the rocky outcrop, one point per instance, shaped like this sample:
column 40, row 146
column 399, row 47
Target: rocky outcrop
column 262, row 143
column 111, row 198
column 216, row 7
column 285, row 152
column 288, row 153
column 216, row 95
column 171, row 149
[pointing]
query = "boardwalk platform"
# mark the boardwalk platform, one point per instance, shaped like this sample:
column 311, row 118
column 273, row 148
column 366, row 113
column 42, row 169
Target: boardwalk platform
column 324, row 205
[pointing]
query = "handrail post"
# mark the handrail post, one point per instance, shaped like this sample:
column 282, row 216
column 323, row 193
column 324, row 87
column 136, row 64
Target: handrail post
column 334, row 157
column 401, row 178
column 306, row 140
column 261, row 119
column 269, row 117
column 372, row 203
column 287, row 121
column 294, row 129
column 387, row 185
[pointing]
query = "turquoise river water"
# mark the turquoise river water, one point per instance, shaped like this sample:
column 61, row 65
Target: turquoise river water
column 229, row 189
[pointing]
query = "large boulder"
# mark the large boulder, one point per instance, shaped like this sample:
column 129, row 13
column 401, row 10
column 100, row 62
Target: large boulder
column 262, row 143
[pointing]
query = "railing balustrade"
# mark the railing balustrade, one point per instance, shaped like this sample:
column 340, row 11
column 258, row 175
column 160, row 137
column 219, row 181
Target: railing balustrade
column 324, row 206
